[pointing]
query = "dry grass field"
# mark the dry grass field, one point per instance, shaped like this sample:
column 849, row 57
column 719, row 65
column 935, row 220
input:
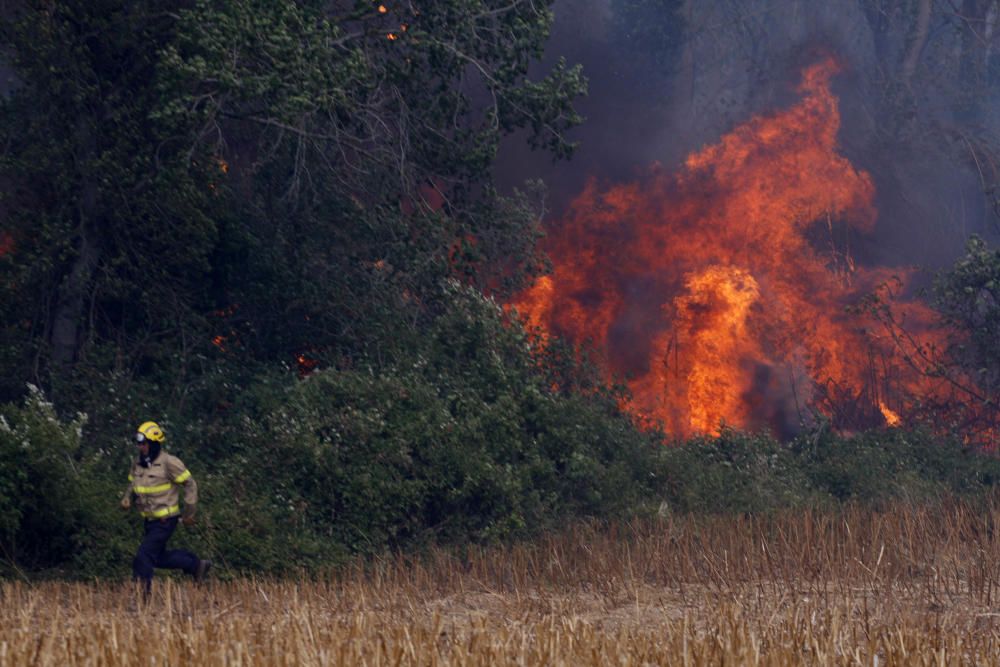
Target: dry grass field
column 907, row 585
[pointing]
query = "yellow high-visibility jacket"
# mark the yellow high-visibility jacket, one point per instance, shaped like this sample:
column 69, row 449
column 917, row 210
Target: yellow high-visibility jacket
column 155, row 488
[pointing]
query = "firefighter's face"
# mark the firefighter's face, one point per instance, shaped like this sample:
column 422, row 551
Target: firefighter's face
column 142, row 444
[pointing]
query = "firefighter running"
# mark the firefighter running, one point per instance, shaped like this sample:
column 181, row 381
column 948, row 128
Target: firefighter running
column 153, row 486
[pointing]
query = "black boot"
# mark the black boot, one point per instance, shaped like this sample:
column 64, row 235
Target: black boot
column 204, row 565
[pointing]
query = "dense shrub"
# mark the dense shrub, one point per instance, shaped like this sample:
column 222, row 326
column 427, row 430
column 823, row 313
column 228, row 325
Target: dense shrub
column 464, row 442
column 736, row 472
column 739, row 472
column 468, row 431
column 52, row 489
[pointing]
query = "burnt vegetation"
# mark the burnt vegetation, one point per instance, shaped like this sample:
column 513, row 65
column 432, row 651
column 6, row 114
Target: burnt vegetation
column 275, row 227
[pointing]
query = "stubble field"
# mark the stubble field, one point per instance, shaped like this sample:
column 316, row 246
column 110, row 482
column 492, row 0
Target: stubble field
column 906, row 585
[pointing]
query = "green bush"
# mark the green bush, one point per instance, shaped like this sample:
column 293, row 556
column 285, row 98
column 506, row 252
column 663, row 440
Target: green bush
column 56, row 496
column 465, row 442
column 736, row 472
column 457, row 433
column 880, row 465
column 740, row 472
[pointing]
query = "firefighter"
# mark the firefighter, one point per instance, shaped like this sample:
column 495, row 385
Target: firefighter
column 153, row 487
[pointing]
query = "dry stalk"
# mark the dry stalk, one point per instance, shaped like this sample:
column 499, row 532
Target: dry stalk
column 910, row 584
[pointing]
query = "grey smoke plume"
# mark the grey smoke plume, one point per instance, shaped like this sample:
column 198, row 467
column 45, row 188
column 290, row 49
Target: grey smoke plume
column 919, row 102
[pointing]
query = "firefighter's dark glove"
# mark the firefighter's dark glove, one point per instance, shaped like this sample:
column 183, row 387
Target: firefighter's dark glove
column 188, row 519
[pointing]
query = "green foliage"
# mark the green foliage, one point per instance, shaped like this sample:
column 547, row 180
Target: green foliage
column 280, row 177
column 468, row 441
column 461, row 440
column 968, row 298
column 880, row 465
column 328, row 241
column 737, row 472
column 40, row 482
column 203, row 199
column 753, row 473
column 110, row 210
column 55, row 496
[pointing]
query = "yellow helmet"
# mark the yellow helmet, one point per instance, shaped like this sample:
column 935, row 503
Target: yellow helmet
column 150, row 431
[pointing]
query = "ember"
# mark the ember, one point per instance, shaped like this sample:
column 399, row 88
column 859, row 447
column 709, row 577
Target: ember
column 306, row 364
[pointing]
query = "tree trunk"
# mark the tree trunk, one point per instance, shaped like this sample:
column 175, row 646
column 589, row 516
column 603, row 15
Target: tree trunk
column 67, row 317
column 878, row 21
column 972, row 70
column 919, row 38
column 70, row 301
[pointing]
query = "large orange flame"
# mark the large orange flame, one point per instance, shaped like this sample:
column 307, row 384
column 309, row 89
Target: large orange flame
column 719, row 292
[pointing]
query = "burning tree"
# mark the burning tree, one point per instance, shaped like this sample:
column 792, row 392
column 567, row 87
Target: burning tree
column 959, row 369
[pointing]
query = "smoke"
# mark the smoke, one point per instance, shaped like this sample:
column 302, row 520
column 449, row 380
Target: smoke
column 627, row 110
column 913, row 117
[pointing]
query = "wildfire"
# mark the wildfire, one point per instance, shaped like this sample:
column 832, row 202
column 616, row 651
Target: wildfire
column 891, row 418
column 705, row 289
column 714, row 309
column 306, row 364
column 223, row 168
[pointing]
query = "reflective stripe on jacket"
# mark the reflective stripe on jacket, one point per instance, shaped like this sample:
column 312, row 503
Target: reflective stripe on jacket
column 155, row 488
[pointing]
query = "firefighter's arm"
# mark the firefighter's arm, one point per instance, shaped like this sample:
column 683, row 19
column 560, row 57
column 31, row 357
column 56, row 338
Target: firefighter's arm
column 126, row 501
column 181, row 476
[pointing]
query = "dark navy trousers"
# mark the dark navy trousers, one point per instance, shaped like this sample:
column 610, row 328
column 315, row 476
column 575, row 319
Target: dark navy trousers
column 153, row 552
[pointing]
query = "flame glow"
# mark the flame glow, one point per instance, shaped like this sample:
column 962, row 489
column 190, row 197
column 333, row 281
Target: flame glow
column 719, row 293
column 891, row 418
column 306, row 364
